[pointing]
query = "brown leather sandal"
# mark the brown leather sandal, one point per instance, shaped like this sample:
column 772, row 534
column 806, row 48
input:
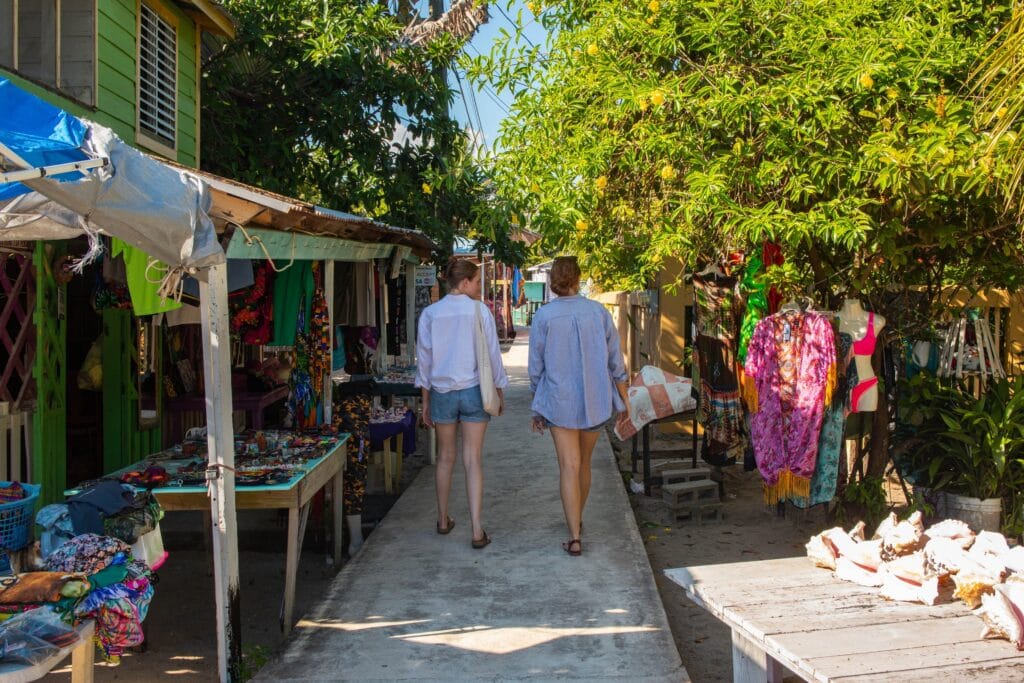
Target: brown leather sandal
column 448, row 528
column 568, row 547
column 481, row 542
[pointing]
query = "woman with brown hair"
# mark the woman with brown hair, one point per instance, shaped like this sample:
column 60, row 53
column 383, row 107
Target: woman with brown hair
column 578, row 381
column 449, row 379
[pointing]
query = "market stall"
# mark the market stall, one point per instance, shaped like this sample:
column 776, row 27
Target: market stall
column 168, row 228
column 273, row 470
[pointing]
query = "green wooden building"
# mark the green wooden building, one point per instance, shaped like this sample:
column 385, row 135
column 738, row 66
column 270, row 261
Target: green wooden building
column 133, row 66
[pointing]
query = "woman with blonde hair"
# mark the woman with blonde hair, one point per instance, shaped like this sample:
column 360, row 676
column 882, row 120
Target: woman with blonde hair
column 449, row 380
column 578, row 381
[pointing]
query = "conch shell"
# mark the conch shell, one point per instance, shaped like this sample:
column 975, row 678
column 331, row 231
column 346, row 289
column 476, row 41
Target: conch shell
column 904, row 538
column 906, row 579
column 1014, row 559
column 952, row 529
column 887, row 525
column 989, row 543
column 1003, row 613
column 824, row 548
column 944, row 556
column 848, row 570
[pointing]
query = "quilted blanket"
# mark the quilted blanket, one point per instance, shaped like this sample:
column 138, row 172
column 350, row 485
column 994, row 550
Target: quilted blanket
column 654, row 394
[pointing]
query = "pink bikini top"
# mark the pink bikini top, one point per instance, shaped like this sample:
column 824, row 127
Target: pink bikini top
column 866, row 345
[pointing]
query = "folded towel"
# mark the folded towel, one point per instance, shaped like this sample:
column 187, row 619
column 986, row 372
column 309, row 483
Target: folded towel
column 654, row 394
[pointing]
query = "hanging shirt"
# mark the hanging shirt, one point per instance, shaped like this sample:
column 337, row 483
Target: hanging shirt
column 445, row 348
column 145, row 297
column 293, row 289
column 575, row 361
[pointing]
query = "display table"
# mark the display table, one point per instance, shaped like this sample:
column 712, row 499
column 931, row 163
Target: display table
column 253, row 403
column 293, row 495
column 83, row 655
column 789, row 614
column 394, row 440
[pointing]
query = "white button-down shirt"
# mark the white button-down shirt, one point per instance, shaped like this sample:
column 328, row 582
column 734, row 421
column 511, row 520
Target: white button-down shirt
column 445, row 348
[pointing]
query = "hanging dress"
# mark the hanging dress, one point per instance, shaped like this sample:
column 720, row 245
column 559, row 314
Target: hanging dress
column 833, row 426
column 720, row 412
column 791, row 363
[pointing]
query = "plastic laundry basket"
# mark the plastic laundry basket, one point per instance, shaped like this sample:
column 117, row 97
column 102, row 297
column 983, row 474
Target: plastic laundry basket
column 16, row 518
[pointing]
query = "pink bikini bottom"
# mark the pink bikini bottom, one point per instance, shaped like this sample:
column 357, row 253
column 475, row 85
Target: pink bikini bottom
column 859, row 391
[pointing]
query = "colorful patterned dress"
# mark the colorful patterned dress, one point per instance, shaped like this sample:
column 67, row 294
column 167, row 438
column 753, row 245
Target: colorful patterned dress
column 721, row 414
column 791, row 362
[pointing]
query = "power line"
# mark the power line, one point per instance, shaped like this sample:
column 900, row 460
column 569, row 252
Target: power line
column 465, row 104
column 513, row 24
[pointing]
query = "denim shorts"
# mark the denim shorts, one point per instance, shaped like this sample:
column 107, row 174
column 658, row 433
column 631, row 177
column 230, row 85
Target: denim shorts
column 462, row 405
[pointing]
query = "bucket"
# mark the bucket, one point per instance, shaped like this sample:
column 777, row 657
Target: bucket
column 980, row 515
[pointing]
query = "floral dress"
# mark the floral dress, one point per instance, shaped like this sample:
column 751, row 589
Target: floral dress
column 791, row 362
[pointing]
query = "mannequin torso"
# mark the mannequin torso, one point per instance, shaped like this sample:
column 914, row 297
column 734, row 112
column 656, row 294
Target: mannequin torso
column 863, row 327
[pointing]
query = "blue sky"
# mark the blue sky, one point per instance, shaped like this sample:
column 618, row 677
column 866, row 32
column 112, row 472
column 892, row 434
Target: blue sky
column 491, row 106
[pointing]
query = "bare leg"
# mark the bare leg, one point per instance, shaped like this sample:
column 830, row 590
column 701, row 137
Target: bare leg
column 472, row 460
column 587, row 442
column 567, row 446
column 446, row 436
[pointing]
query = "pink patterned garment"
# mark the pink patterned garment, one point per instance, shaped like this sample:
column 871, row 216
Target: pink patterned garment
column 791, row 362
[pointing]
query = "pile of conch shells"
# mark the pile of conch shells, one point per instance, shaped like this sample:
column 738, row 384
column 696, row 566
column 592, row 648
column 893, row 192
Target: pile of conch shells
column 944, row 562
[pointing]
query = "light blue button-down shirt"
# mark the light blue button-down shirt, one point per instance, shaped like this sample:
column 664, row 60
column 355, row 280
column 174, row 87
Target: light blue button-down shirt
column 575, row 362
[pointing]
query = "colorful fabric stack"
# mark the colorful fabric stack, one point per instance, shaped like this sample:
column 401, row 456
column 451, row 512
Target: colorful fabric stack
column 120, row 593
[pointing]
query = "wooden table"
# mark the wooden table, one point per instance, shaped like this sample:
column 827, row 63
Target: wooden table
column 789, row 614
column 253, row 403
column 83, row 655
column 293, row 495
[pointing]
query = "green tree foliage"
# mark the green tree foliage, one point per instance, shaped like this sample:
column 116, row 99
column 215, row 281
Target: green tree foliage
column 322, row 100
column 657, row 129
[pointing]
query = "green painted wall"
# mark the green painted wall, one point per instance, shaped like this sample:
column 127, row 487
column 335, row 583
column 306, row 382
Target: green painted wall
column 116, row 95
column 124, row 441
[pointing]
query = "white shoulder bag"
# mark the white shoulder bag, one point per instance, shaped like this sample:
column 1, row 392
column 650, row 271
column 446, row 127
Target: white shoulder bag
column 492, row 404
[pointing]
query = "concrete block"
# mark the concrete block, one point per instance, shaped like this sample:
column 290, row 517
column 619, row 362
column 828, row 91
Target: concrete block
column 698, row 513
column 673, row 476
column 688, row 494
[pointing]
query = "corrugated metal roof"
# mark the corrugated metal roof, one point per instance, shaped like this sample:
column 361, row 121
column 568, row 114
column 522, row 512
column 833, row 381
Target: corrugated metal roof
column 247, row 205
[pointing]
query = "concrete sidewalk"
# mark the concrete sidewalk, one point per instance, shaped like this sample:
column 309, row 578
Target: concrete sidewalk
column 414, row 605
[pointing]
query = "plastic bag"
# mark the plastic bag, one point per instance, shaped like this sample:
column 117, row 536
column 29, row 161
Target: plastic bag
column 90, row 376
column 43, row 623
column 16, row 645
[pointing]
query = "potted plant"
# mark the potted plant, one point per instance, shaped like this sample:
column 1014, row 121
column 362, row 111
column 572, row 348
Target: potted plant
column 967, row 449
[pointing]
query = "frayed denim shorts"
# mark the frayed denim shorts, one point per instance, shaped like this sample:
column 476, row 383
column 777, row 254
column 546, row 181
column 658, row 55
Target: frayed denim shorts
column 462, row 405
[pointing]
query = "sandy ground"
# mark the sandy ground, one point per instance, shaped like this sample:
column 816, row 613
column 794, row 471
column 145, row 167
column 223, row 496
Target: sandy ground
column 749, row 531
column 181, row 631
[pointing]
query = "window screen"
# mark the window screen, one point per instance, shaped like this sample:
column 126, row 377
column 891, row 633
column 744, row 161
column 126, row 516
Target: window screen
column 157, row 77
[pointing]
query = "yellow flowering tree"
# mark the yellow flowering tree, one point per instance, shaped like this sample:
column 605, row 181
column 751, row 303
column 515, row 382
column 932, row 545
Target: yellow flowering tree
column 645, row 130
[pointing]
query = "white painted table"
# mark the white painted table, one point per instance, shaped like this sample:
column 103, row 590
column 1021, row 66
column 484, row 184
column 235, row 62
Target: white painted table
column 789, row 614
column 82, row 653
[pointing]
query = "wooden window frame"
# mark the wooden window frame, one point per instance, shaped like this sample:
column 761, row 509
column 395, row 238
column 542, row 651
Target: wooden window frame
column 143, row 138
column 58, row 88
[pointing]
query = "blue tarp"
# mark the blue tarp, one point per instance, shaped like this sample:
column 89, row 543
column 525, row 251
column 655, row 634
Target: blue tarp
column 151, row 206
column 39, row 133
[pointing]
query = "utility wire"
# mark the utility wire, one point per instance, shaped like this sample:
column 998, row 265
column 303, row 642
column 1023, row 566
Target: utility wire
column 465, row 104
column 513, row 24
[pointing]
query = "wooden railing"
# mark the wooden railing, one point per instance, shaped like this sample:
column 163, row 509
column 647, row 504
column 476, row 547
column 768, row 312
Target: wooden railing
column 15, row 444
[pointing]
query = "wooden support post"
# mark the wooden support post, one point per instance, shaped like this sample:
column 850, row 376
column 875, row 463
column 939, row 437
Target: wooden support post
column 213, row 296
column 410, row 313
column 752, row 664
